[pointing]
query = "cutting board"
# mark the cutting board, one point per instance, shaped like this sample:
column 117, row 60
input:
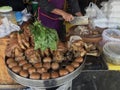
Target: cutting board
column 4, row 76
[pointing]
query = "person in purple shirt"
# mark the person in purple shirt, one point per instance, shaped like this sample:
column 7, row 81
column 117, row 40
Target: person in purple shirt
column 51, row 10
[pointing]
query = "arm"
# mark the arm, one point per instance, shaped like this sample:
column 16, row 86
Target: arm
column 66, row 16
column 45, row 5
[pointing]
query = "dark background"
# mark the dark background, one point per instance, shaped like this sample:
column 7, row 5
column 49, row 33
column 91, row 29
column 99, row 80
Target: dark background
column 17, row 5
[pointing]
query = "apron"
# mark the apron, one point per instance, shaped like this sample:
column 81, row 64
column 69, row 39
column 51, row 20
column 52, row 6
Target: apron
column 49, row 19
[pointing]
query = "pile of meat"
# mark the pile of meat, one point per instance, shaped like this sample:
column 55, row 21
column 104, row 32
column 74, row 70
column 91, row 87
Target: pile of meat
column 85, row 31
column 22, row 59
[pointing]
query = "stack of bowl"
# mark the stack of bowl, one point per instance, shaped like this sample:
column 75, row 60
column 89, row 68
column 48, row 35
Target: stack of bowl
column 109, row 35
column 111, row 52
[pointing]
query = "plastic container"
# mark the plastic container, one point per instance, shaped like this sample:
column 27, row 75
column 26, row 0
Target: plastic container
column 7, row 14
column 18, row 16
column 7, row 11
column 109, row 35
column 111, row 52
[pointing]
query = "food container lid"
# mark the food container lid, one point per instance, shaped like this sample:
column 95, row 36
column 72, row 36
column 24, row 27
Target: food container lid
column 4, row 9
column 111, row 35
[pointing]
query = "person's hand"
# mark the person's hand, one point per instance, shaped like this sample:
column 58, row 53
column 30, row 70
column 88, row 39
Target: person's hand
column 67, row 16
column 78, row 14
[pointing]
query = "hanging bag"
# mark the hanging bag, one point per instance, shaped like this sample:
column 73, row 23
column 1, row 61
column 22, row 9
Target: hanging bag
column 92, row 11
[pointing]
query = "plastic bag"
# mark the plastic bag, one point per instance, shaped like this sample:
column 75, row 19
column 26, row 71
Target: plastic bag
column 90, row 11
column 7, row 27
column 93, row 11
column 73, row 38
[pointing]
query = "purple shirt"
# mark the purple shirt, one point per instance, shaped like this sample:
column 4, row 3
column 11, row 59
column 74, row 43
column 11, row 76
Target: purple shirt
column 49, row 19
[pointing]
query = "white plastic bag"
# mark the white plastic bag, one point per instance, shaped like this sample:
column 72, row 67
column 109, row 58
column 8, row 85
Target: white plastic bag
column 93, row 11
column 73, row 38
column 90, row 11
column 7, row 27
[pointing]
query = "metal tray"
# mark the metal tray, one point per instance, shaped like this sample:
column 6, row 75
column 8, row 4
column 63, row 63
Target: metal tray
column 46, row 83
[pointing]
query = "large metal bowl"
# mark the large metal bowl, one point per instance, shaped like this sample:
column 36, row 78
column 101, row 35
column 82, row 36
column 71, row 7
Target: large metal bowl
column 46, row 83
column 95, row 38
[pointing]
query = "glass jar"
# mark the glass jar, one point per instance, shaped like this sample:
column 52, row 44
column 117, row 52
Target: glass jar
column 9, row 14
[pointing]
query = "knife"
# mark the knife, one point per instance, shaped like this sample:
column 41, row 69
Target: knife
column 79, row 20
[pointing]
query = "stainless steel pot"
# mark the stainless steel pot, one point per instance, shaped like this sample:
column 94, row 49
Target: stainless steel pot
column 46, row 83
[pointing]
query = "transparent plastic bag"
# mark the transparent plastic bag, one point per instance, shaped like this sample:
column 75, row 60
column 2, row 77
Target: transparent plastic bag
column 92, row 11
column 72, row 39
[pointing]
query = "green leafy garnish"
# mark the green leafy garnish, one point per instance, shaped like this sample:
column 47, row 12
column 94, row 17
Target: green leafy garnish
column 44, row 37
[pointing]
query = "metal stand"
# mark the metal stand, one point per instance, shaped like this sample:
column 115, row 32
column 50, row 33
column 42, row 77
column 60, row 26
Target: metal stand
column 37, row 89
column 67, row 86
